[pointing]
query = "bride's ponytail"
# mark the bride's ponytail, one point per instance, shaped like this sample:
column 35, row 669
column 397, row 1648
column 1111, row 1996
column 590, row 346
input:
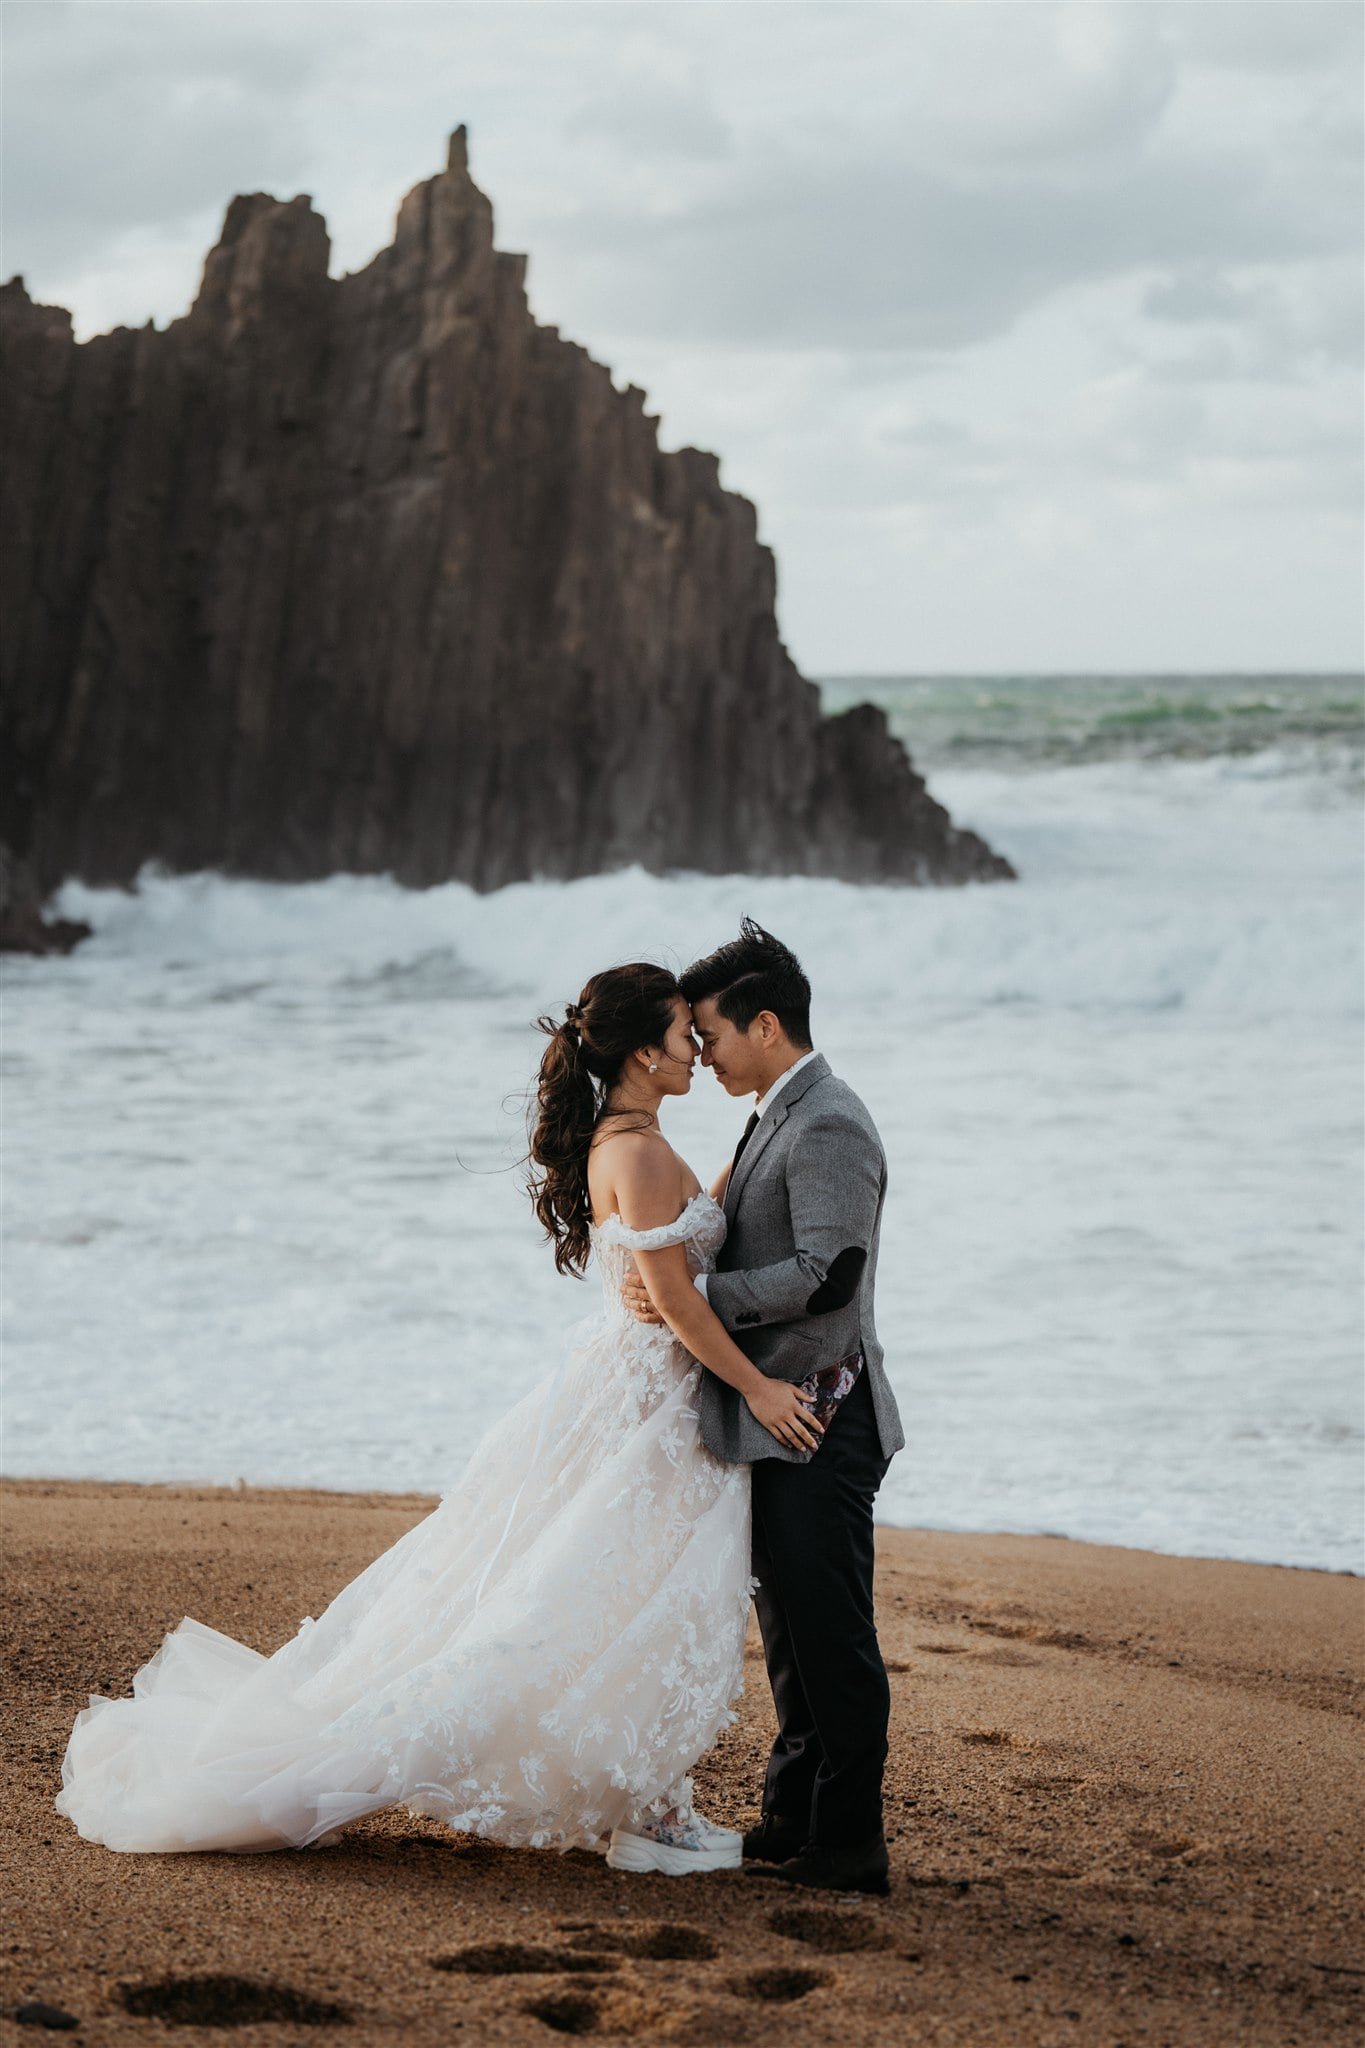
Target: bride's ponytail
column 566, row 1104
column 618, row 1012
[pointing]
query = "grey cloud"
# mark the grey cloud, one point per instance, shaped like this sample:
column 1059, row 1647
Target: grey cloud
column 943, row 436
column 1201, row 293
column 1032, row 108
column 1211, row 361
column 1293, row 35
column 873, row 253
column 192, row 119
column 1338, row 319
column 1167, row 438
column 653, row 121
column 856, row 206
column 1274, row 333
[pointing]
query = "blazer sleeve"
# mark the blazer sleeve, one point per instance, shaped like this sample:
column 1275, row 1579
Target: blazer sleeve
column 835, row 1176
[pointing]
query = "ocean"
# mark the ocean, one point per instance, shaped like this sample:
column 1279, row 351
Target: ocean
column 263, row 1210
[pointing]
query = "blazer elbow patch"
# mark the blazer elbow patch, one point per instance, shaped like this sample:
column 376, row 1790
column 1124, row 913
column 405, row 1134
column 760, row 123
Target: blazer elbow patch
column 840, row 1283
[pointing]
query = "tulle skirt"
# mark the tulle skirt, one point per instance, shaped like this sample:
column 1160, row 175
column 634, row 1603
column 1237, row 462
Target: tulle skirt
column 540, row 1659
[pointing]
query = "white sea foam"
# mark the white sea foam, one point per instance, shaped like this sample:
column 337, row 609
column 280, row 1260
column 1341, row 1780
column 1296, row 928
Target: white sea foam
column 265, row 1220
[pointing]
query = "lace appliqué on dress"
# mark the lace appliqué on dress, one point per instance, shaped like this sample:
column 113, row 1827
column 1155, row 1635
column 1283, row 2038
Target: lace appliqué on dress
column 540, row 1660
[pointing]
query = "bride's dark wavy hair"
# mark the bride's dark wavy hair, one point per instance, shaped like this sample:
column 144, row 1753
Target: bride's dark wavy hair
column 618, row 1012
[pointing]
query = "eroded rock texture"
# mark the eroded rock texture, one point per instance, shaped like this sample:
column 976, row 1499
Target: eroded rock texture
column 377, row 573
column 23, row 927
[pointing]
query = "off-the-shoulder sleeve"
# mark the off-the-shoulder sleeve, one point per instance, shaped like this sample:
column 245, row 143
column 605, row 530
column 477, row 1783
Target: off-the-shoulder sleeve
column 652, row 1240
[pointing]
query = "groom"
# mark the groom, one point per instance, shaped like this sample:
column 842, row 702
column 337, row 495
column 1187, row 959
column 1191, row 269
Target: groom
column 794, row 1287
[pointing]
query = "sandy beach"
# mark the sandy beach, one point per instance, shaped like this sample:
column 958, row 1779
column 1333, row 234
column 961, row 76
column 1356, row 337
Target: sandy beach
column 1124, row 1803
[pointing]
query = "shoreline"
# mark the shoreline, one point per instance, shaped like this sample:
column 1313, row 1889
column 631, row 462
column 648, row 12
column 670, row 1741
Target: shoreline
column 1123, row 1803
column 419, row 1498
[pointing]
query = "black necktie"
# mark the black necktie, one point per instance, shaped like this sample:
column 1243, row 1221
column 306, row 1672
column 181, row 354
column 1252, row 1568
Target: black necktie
column 744, row 1138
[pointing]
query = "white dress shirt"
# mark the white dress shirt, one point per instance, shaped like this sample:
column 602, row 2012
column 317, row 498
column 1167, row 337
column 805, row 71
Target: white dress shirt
column 765, row 1102
column 761, row 1107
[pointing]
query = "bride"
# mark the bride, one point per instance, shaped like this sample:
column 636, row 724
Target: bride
column 544, row 1657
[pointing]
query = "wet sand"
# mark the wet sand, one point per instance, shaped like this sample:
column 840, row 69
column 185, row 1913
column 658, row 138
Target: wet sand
column 1124, row 1801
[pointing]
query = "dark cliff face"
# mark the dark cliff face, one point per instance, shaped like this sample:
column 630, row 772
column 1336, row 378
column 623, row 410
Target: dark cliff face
column 378, row 574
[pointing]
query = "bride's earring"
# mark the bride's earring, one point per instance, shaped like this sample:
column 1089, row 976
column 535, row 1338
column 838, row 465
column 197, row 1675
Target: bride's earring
column 654, row 1066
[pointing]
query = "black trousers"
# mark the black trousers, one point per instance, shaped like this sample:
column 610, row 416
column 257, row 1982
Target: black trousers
column 812, row 1556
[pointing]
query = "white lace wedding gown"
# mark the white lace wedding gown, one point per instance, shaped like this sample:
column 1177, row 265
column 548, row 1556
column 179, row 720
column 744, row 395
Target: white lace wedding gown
column 540, row 1660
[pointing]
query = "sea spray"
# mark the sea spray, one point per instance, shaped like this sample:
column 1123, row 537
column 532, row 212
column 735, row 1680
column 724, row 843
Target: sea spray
column 264, row 1203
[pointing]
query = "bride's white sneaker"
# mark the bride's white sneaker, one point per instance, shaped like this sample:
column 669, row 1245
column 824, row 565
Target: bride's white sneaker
column 675, row 1845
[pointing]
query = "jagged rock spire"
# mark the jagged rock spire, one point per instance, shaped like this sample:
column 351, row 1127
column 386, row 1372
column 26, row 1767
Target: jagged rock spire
column 377, row 573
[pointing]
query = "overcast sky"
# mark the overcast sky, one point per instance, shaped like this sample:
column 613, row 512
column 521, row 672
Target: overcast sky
column 1034, row 331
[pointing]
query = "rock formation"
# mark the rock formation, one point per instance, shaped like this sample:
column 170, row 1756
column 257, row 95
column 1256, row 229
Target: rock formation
column 23, row 927
column 377, row 573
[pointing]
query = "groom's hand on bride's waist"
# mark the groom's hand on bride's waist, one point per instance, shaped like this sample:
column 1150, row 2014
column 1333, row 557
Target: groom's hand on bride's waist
column 635, row 1295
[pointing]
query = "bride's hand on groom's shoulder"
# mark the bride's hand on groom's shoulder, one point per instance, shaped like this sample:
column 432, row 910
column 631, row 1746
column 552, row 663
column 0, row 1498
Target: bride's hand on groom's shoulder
column 636, row 1297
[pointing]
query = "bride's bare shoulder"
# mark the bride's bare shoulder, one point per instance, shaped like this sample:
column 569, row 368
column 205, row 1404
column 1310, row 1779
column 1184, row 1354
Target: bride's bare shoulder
column 634, row 1155
column 630, row 1147
column 637, row 1174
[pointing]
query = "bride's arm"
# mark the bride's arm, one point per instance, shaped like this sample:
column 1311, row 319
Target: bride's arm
column 777, row 1404
column 647, row 1197
column 720, row 1183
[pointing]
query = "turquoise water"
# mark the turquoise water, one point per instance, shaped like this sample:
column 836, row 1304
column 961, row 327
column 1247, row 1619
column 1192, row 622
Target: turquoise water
column 1056, row 721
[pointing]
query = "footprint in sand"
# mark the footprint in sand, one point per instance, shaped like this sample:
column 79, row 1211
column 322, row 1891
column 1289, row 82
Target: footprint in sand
column 521, row 1959
column 993, row 1738
column 1169, row 1846
column 568, row 2012
column 828, row 1931
column 215, row 2001
column 779, row 1984
column 657, row 1941
column 638, row 2015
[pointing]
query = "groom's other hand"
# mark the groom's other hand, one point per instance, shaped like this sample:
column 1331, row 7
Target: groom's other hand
column 635, row 1295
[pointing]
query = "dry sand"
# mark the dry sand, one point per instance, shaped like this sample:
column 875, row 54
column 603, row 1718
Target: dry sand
column 1124, row 1801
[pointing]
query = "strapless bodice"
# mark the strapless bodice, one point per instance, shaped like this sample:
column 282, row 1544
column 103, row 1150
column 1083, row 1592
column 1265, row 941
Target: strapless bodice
column 699, row 1226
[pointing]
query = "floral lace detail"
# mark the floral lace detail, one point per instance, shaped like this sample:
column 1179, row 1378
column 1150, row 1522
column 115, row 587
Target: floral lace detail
column 692, row 1226
column 539, row 1661
column 682, row 1827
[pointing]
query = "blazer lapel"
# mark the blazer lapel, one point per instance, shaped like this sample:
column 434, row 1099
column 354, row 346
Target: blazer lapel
column 762, row 1136
column 772, row 1120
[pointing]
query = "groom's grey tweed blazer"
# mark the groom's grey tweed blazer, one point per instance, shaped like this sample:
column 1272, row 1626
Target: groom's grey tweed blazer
column 796, row 1273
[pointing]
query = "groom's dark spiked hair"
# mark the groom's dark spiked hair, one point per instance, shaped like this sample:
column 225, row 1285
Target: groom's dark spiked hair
column 754, row 972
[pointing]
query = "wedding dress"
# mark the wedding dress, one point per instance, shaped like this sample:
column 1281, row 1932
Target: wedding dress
column 539, row 1661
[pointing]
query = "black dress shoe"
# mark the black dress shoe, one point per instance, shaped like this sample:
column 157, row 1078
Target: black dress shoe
column 863, row 1868
column 774, row 1840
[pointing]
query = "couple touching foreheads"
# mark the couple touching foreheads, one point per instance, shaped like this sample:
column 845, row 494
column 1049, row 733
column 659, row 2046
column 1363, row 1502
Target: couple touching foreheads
column 544, row 1657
